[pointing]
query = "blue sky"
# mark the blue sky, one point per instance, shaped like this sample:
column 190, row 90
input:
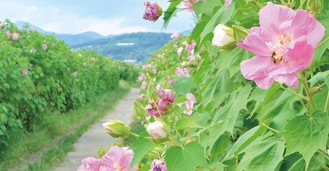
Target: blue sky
column 103, row 16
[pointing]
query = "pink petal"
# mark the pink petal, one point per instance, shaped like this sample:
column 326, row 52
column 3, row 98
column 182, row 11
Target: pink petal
column 256, row 67
column 264, row 83
column 304, row 24
column 275, row 20
column 289, row 79
column 255, row 44
column 299, row 57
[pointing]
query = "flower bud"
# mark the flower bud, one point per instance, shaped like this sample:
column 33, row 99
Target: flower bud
column 155, row 152
column 162, row 105
column 152, row 11
column 239, row 33
column 157, row 131
column 315, row 6
column 158, row 165
column 170, row 95
column 116, row 128
column 223, row 37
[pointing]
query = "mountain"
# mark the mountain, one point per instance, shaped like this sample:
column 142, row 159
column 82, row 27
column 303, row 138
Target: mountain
column 136, row 46
column 71, row 39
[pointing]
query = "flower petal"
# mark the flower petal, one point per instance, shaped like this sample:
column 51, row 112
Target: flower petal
column 275, row 20
column 256, row 67
column 289, row 79
column 255, row 43
column 304, row 24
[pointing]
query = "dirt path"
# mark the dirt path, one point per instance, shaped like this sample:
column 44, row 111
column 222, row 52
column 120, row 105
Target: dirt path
column 95, row 137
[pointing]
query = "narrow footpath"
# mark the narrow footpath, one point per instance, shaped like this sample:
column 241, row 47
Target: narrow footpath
column 95, row 137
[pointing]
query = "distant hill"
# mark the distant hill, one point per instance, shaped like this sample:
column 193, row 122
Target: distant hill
column 136, row 46
column 70, row 39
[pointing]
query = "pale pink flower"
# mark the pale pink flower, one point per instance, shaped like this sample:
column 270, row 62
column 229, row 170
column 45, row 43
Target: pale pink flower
column 189, row 47
column 75, row 74
column 151, row 109
column 174, row 36
column 162, row 105
column 284, row 44
column 157, row 130
column 152, row 11
column 146, row 66
column 228, row 3
column 183, row 72
column 144, row 84
column 8, row 33
column 179, row 51
column 117, row 159
column 189, row 4
column 15, row 36
column 2, row 24
column 141, row 77
column 165, row 94
column 155, row 70
column 189, row 103
column 44, row 47
column 160, row 56
column 140, row 97
column 25, row 72
column 92, row 59
column 191, row 58
column 80, row 55
column 158, row 165
column 90, row 164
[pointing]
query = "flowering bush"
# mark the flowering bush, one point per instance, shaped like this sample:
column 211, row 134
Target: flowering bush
column 260, row 103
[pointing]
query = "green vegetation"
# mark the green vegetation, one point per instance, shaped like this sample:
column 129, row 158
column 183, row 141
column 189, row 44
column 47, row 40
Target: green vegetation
column 55, row 134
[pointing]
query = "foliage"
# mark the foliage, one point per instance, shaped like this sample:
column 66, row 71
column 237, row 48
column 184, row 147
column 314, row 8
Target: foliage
column 40, row 73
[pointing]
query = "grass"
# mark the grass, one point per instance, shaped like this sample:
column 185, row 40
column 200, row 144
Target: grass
column 53, row 136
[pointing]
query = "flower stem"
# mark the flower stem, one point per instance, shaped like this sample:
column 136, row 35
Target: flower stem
column 307, row 90
column 272, row 129
column 323, row 154
column 134, row 134
column 292, row 92
column 320, row 44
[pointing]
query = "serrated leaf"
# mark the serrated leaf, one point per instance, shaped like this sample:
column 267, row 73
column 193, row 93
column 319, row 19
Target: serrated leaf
column 206, row 7
column 141, row 147
column 265, row 155
column 185, row 158
column 186, row 123
column 306, row 135
column 318, row 77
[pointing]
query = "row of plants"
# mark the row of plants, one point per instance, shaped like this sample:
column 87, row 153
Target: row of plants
column 247, row 90
column 40, row 73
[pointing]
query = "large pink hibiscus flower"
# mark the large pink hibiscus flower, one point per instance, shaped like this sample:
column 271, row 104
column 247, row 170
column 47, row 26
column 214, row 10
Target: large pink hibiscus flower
column 283, row 43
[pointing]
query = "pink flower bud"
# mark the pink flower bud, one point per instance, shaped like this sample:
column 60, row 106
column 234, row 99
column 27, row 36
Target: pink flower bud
column 162, row 104
column 140, row 97
column 152, row 11
column 157, row 131
column 170, row 96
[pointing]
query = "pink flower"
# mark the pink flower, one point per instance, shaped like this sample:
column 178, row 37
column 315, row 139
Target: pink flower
column 190, row 47
column 165, row 94
column 284, row 44
column 189, row 103
column 141, row 77
column 2, row 24
column 158, row 165
column 152, row 11
column 44, row 47
column 162, row 105
column 15, row 36
column 117, row 159
column 8, row 33
column 174, row 36
column 160, row 56
column 189, row 4
column 228, row 3
column 92, row 59
column 90, row 164
column 25, row 72
column 183, row 72
column 155, row 70
column 144, row 84
column 140, row 97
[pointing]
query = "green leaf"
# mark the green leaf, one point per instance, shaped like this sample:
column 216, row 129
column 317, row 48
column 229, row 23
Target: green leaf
column 186, row 123
column 185, row 158
column 265, row 155
column 206, row 7
column 141, row 147
column 170, row 12
column 307, row 134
